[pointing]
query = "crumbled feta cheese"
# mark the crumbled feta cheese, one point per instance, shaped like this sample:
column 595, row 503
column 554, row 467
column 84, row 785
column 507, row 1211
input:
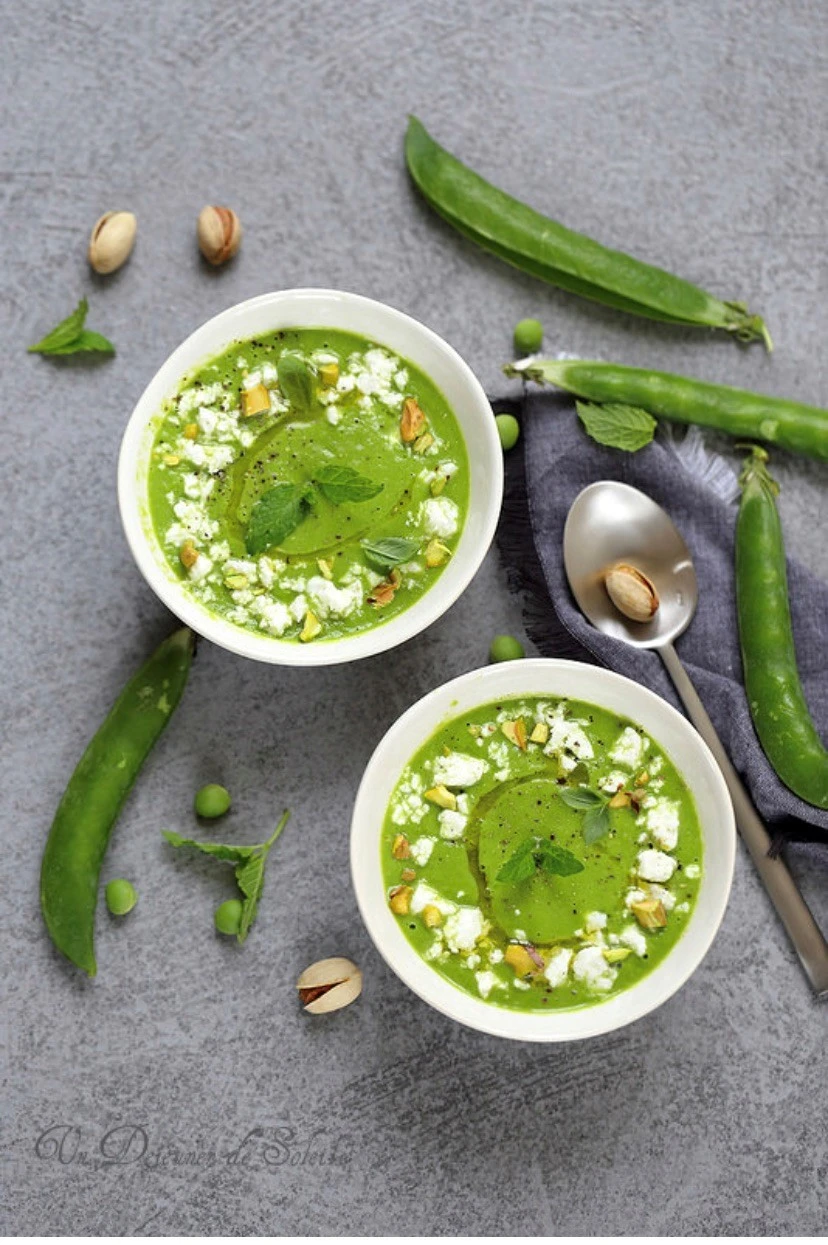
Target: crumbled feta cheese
column 463, row 928
column 458, row 770
column 472, row 960
column 654, row 866
column 692, row 871
column 495, row 955
column 667, row 898
column 633, row 938
column 595, row 921
column 425, row 894
column 627, row 748
column 273, row 616
column 486, row 982
column 557, row 970
column 613, row 782
column 328, row 599
column 590, row 967
column 452, row 824
column 201, row 567
column 567, row 735
column 421, row 850
column 439, row 516
column 662, row 821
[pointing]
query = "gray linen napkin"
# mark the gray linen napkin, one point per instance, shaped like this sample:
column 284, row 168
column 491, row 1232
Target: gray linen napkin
column 699, row 492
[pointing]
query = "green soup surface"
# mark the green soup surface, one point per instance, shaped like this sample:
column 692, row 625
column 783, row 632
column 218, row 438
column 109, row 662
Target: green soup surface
column 308, row 484
column 541, row 853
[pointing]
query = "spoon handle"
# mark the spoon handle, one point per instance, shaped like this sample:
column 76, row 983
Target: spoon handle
column 792, row 909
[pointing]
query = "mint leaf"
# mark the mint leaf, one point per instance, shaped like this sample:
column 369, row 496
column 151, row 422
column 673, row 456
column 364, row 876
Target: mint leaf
column 338, row 484
column 222, row 851
column 558, row 860
column 536, row 854
column 70, row 337
column 86, row 342
column 389, row 552
column 582, row 797
column 521, row 865
column 295, row 381
column 249, row 871
column 596, row 824
column 621, row 427
column 276, row 514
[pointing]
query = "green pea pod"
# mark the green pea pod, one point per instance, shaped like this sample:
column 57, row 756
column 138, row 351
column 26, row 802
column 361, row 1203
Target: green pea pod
column 80, row 832
column 777, row 702
column 748, row 416
column 572, row 261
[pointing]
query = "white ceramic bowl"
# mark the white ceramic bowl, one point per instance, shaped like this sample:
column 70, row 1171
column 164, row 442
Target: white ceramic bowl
column 601, row 687
column 318, row 309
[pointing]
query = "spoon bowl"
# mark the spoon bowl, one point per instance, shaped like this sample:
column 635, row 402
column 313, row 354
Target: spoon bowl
column 611, row 522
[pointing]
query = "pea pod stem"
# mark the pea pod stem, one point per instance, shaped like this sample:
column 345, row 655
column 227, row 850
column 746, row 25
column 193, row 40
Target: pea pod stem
column 572, row 261
column 87, row 813
column 774, row 690
column 738, row 412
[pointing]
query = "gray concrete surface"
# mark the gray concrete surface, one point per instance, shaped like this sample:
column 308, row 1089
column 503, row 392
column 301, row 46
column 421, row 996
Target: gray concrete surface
column 188, row 1092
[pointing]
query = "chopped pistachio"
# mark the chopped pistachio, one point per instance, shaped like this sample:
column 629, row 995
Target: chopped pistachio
column 649, row 913
column 515, row 732
column 540, row 733
column 311, row 628
column 399, row 900
column 236, row 582
column 188, row 554
column 642, row 779
column 171, row 460
column 254, row 401
column 400, row 848
column 621, row 799
column 437, row 485
column 191, row 431
column 423, row 443
column 412, row 421
column 432, row 916
column 408, row 875
column 474, row 730
column 325, row 568
column 328, row 374
column 436, row 553
column 613, row 955
column 519, row 959
column 442, row 797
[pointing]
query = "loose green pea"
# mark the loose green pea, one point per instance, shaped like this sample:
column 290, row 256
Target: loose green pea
column 228, row 916
column 528, row 336
column 508, row 430
column 121, row 896
column 212, row 800
column 506, row 648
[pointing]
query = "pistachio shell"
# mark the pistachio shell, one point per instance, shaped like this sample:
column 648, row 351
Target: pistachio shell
column 219, row 234
column 631, row 592
column 112, row 240
column 329, row 984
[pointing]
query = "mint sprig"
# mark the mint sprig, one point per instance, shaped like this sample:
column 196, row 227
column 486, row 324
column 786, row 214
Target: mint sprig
column 296, row 381
column 536, row 855
column 276, row 514
column 338, row 484
column 619, row 426
column 70, row 337
column 594, row 807
column 389, row 552
column 249, row 871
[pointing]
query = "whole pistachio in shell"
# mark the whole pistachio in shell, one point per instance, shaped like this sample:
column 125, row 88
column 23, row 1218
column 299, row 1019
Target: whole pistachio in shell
column 111, row 241
column 328, row 985
column 631, row 592
column 219, row 234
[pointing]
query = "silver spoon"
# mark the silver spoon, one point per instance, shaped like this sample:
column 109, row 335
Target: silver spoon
column 610, row 522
